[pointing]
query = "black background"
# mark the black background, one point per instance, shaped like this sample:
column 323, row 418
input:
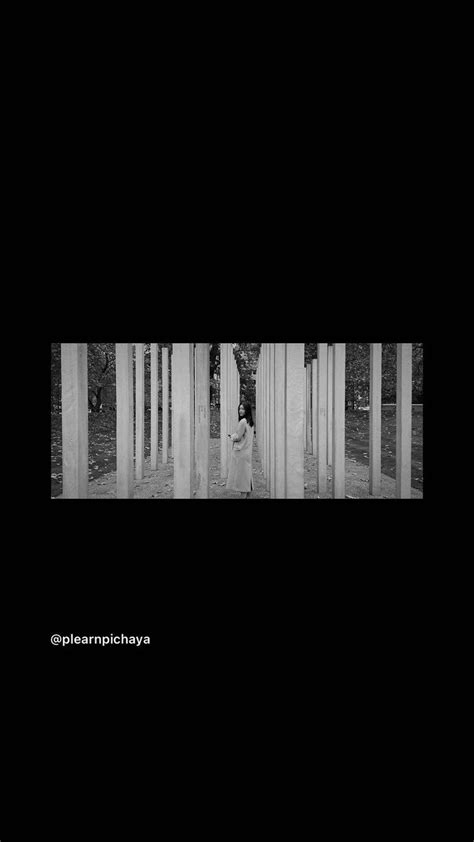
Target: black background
column 131, row 567
column 315, row 611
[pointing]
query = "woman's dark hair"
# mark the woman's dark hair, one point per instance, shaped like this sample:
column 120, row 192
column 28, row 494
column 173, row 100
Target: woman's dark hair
column 248, row 412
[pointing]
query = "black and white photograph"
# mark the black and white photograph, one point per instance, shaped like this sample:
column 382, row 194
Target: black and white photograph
column 237, row 421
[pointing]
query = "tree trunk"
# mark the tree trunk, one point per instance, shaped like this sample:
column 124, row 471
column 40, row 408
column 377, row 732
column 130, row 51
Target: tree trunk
column 97, row 395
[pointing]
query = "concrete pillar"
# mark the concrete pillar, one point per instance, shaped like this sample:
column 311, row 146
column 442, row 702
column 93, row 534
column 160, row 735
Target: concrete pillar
column 264, row 418
column 229, row 425
column 139, row 410
column 124, row 373
column 237, row 387
column 202, row 420
column 295, row 403
column 314, row 377
column 257, row 418
column 404, row 419
column 259, row 393
column 330, row 400
column 193, row 410
column 265, row 415
column 265, row 409
column 233, row 393
column 309, row 416
column 272, row 421
column 322, row 418
column 237, row 384
column 338, row 392
column 165, row 403
column 154, row 431
column 375, row 419
column 280, row 420
column 259, row 422
column 268, row 406
column 75, row 419
column 261, row 446
column 223, row 409
column 264, row 412
column 305, row 414
column 182, row 402
column 171, row 404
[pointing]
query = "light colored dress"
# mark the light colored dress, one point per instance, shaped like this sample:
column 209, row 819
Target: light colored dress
column 240, row 469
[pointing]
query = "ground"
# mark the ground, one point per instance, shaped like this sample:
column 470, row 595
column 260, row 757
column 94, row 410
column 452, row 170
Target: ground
column 102, row 459
column 159, row 484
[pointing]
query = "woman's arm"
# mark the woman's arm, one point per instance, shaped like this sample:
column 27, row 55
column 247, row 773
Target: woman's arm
column 240, row 431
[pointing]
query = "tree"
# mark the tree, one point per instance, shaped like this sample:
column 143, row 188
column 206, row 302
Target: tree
column 358, row 371
column 55, row 377
column 100, row 371
column 247, row 354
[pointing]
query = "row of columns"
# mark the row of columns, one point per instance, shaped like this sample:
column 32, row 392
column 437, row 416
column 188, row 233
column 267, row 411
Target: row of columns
column 289, row 421
column 74, row 391
column 126, row 475
column 295, row 409
column 191, row 415
column 319, row 407
column 290, row 394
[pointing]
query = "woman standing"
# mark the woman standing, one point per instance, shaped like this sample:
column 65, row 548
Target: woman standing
column 240, row 470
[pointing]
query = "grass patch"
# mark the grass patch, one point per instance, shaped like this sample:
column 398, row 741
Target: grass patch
column 357, row 441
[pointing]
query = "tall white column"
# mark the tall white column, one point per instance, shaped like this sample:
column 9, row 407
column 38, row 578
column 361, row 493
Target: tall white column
column 139, row 410
column 182, row 401
column 272, row 420
column 309, row 416
column 322, row 418
column 154, row 432
column 165, row 403
column 338, row 369
column 193, row 395
column 330, row 400
column 257, row 416
column 305, row 413
column 236, row 386
column 264, row 408
column 314, row 373
column 202, row 422
column 74, row 415
column 295, row 404
column 171, row 404
column 262, row 412
column 259, row 405
column 375, row 419
column 124, row 370
column 280, row 420
column 229, row 425
column 404, row 419
column 269, row 442
column 223, row 408
column 259, row 387
column 233, row 391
